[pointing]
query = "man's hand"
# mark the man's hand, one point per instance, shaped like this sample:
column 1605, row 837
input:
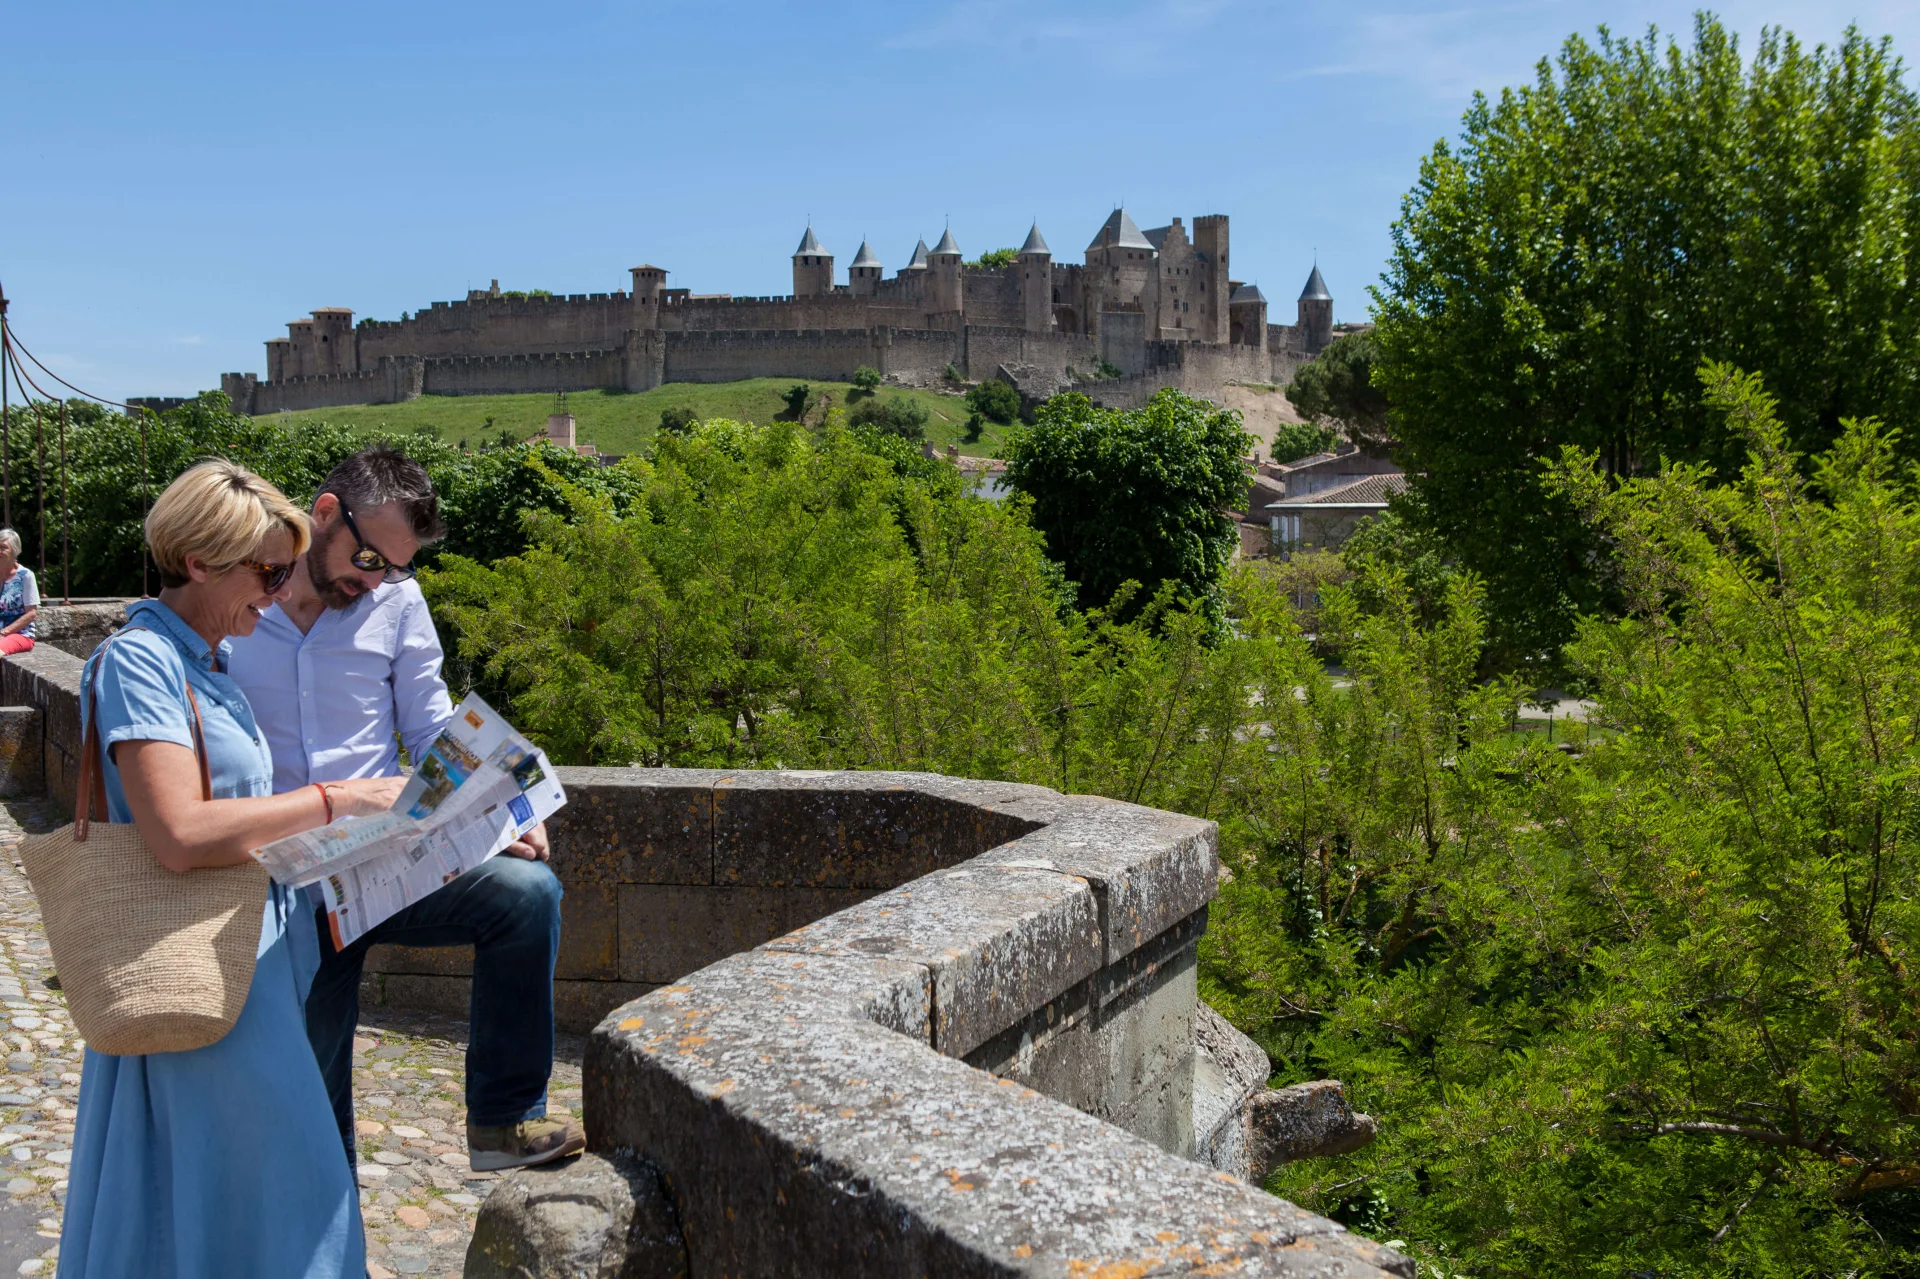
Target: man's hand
column 533, row 848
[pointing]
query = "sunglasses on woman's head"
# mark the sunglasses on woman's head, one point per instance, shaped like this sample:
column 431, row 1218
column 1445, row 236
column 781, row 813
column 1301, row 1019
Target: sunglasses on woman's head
column 368, row 560
column 272, row 576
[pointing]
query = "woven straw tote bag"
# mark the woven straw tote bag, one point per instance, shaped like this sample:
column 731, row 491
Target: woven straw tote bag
column 151, row 961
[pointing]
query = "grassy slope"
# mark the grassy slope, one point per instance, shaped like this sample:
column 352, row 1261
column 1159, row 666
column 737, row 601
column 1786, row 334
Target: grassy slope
column 619, row 422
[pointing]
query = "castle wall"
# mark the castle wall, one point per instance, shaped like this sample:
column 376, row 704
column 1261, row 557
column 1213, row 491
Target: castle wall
column 990, row 346
column 831, row 311
column 1199, row 369
column 992, row 297
column 525, row 374
column 389, row 382
column 502, row 326
column 823, row 354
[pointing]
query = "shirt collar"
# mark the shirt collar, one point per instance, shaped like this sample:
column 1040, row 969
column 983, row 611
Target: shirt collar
column 157, row 616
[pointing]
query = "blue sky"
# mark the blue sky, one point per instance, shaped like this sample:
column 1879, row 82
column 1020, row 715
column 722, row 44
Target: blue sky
column 183, row 179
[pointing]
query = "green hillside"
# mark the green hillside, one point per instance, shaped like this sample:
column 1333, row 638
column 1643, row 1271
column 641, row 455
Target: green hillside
column 623, row 422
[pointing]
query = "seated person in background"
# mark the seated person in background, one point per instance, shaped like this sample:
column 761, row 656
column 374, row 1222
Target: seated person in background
column 19, row 596
column 342, row 673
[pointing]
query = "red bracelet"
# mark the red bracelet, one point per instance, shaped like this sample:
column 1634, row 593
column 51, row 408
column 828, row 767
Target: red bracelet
column 325, row 799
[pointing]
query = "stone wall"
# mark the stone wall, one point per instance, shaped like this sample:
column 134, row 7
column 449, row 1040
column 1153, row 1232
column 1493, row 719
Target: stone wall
column 988, row 348
column 502, row 326
column 535, row 373
column 49, row 681
column 389, row 381
column 987, row 1068
column 77, row 628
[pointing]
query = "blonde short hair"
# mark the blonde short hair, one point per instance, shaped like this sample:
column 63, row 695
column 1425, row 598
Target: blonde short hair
column 218, row 513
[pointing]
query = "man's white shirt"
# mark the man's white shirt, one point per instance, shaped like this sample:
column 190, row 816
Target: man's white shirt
column 337, row 702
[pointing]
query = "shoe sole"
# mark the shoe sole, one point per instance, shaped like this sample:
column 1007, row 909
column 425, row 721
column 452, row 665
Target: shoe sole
column 500, row 1161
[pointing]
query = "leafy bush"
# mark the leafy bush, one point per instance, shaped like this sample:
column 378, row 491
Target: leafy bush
column 1137, row 495
column 1295, row 440
column 995, row 259
column 995, row 400
column 799, row 397
column 866, row 377
column 677, row 420
column 896, row 415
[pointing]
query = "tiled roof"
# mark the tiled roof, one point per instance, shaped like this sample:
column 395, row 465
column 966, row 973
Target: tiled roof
column 1034, row 243
column 864, row 257
column 1316, row 290
column 947, row 244
column 809, row 243
column 1367, row 490
column 918, row 262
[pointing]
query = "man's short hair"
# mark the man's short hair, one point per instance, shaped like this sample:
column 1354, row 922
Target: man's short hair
column 379, row 475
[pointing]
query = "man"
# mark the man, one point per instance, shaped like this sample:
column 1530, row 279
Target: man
column 342, row 675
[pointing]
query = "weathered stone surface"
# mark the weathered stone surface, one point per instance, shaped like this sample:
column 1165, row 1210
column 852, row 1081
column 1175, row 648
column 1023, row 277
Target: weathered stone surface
column 634, row 826
column 432, row 961
column 1302, row 1122
column 22, row 770
column 798, row 1139
column 594, row 1217
column 579, row 1006
column 850, row 830
column 998, row 942
column 589, row 933
column 1228, row 1069
column 49, row 679
column 1150, row 869
column 78, row 628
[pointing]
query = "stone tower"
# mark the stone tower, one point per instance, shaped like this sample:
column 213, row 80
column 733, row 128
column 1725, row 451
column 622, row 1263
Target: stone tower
column 1216, row 291
column 648, row 282
column 943, row 275
column 812, row 268
column 1036, row 283
column 1316, row 313
column 864, row 273
column 334, row 350
column 1247, row 309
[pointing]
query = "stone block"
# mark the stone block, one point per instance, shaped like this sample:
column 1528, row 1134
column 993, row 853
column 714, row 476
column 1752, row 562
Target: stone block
column 998, row 942
column 587, row 1218
column 22, row 761
column 1228, row 1069
column 1303, row 1121
column 634, row 826
column 1150, row 869
column 434, row 961
column 589, row 932
column 667, row 931
column 417, row 992
column 579, row 1006
column 850, row 830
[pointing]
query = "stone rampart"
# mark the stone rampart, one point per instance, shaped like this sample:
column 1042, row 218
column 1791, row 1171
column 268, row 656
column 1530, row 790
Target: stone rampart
column 390, row 381
column 501, row 326
column 824, row 354
column 988, row 347
column 521, row 374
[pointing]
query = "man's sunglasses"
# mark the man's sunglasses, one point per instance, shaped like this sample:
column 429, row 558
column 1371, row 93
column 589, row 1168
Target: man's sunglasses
column 368, row 560
column 272, row 576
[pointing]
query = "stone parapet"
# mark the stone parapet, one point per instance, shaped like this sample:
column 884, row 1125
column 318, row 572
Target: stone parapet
column 48, row 680
column 78, row 628
column 985, row 1068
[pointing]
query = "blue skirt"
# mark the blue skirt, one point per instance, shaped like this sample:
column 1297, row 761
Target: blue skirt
column 221, row 1161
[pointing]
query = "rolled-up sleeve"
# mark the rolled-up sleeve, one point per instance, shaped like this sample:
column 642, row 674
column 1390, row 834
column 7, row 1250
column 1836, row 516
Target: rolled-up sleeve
column 421, row 705
column 140, row 692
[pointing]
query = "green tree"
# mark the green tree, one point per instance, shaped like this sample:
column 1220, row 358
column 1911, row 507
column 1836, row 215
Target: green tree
column 995, row 401
column 677, row 420
column 995, row 259
column 1135, row 495
column 896, row 415
column 1649, row 1010
column 1335, row 389
column 1295, row 440
column 1559, row 272
column 866, row 378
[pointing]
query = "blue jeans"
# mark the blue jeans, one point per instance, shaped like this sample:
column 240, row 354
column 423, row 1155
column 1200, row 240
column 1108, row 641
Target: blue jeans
column 508, row 910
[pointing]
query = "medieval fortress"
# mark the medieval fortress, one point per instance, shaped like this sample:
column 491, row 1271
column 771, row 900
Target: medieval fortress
column 1159, row 306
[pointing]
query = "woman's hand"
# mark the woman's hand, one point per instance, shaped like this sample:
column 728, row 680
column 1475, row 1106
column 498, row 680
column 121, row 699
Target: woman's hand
column 364, row 796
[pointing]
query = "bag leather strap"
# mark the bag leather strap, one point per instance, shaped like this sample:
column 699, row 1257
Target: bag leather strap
column 91, row 793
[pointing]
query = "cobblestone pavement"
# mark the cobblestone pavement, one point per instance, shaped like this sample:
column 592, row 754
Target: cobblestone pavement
column 417, row 1194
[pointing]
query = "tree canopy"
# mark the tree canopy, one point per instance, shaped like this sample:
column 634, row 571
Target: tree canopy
column 1335, row 389
column 1560, row 271
column 1135, row 495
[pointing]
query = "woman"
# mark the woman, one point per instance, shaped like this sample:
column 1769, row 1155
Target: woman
column 224, row 1160
column 19, row 596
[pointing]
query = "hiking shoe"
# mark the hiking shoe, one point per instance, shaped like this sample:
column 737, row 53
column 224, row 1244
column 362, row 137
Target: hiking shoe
column 521, row 1145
